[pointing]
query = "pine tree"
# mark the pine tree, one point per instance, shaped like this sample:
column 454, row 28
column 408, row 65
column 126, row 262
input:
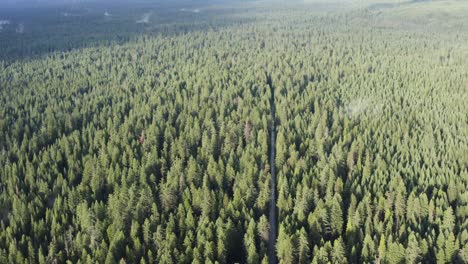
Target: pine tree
column 263, row 228
column 382, row 247
column 440, row 253
column 413, row 252
column 338, row 253
column 285, row 249
column 450, row 248
column 303, row 250
column 336, row 216
column 448, row 220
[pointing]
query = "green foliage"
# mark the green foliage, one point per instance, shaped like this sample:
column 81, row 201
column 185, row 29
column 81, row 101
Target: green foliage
column 155, row 149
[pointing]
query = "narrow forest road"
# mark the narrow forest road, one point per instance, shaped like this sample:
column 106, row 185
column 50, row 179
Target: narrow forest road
column 272, row 210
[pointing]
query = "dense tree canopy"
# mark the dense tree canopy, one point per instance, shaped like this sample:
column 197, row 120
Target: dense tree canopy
column 156, row 150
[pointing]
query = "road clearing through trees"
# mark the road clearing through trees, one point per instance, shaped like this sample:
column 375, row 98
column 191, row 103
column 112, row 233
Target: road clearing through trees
column 272, row 209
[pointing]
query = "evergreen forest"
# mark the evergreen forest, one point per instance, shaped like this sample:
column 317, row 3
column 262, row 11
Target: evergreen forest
column 234, row 132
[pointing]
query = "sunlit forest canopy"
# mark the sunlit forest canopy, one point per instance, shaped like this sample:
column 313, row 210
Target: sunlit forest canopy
column 185, row 132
